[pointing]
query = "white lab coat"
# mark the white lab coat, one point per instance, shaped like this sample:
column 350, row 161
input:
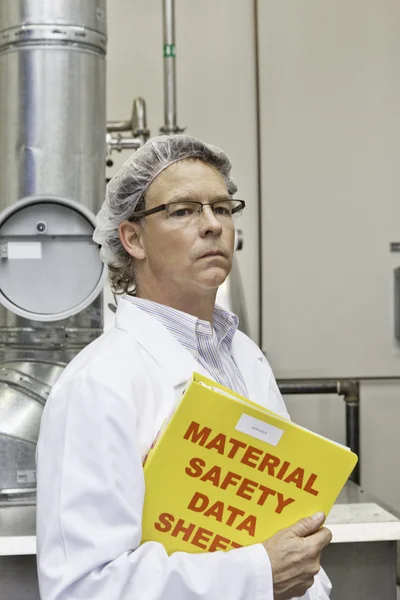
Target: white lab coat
column 98, row 424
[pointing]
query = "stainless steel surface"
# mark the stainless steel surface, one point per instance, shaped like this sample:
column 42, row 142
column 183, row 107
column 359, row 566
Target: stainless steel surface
column 361, row 571
column 53, row 34
column 67, row 273
column 136, row 124
column 121, row 143
column 17, row 463
column 170, row 123
column 18, row 572
column 65, row 155
column 24, row 389
column 21, row 411
column 18, row 578
column 119, row 126
column 139, row 120
column 52, row 82
column 59, row 341
column 24, row 383
column 17, row 521
column 90, row 13
column 20, row 414
column 19, row 496
column 44, row 371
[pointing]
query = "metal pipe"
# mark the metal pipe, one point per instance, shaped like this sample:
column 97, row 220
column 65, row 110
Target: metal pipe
column 360, row 378
column 118, row 126
column 170, row 125
column 120, row 143
column 259, row 194
column 309, row 387
column 137, row 126
column 139, row 120
column 350, row 390
column 352, row 436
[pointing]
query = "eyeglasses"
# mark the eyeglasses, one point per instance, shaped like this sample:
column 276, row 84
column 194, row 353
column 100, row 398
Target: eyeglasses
column 188, row 210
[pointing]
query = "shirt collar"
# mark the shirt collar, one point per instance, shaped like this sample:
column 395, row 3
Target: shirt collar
column 187, row 328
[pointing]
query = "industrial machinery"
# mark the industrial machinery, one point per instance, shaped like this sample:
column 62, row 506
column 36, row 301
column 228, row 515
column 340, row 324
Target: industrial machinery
column 52, row 141
column 55, row 143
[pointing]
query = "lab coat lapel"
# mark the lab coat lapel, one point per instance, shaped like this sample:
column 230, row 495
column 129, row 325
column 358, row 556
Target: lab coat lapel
column 249, row 361
column 176, row 361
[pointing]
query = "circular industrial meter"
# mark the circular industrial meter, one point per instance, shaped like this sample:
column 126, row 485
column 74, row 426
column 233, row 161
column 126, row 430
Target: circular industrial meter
column 50, row 268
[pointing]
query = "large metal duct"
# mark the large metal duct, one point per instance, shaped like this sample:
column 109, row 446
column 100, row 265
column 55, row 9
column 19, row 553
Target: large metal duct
column 52, row 173
column 52, row 177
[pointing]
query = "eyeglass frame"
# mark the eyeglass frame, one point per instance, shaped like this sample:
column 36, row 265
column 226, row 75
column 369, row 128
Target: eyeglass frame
column 164, row 206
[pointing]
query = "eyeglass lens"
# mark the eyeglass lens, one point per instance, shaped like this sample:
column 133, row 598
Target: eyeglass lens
column 187, row 210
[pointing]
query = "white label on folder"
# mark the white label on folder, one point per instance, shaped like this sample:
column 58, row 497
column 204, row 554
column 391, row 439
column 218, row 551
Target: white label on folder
column 24, row 250
column 259, row 429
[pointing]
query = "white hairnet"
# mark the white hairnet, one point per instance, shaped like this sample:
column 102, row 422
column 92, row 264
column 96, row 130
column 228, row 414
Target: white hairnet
column 124, row 194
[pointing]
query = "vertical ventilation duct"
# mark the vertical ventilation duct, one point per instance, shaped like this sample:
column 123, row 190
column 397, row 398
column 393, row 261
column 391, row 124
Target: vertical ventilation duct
column 52, row 145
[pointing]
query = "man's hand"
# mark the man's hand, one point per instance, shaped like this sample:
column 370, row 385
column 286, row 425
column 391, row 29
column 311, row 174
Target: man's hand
column 295, row 555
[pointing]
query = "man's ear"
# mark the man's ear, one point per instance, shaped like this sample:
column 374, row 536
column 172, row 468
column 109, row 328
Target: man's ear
column 130, row 235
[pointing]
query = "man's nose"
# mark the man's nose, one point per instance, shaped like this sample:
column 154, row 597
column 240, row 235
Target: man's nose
column 209, row 221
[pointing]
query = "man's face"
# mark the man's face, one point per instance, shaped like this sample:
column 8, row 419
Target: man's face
column 174, row 251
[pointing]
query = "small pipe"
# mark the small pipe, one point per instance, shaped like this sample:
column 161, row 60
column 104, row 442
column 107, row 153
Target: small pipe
column 170, row 125
column 350, row 390
column 120, row 143
column 309, row 387
column 118, row 126
column 354, row 377
column 139, row 120
column 259, row 193
column 352, row 436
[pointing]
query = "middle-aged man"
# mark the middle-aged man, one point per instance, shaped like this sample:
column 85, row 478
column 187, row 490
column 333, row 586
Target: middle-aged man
column 166, row 231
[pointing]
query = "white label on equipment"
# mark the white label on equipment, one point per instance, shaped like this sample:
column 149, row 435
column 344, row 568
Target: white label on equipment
column 26, row 476
column 24, row 250
column 259, row 429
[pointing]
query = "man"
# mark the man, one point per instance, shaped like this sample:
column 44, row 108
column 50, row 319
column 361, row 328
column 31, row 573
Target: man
column 166, row 231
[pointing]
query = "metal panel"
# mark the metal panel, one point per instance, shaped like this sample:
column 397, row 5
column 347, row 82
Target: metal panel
column 363, row 571
column 53, row 140
column 59, row 341
column 330, row 146
column 17, row 461
column 48, row 248
column 90, row 13
column 18, row 578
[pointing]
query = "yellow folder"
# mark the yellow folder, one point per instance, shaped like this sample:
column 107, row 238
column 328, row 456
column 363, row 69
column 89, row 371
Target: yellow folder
column 226, row 472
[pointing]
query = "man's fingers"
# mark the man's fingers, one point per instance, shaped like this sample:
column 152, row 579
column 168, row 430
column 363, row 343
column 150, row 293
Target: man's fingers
column 321, row 538
column 308, row 526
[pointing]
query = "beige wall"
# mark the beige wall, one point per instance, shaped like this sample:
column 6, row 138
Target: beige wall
column 216, row 91
column 330, row 92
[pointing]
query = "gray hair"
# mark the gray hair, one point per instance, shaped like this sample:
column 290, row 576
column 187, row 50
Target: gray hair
column 125, row 196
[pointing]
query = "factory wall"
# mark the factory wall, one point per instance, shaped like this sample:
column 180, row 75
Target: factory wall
column 330, row 92
column 330, row 141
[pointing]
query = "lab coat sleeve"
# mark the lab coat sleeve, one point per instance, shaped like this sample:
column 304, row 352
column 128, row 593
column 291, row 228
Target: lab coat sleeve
column 89, row 512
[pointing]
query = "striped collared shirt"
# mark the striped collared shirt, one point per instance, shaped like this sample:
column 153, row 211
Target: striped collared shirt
column 210, row 344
